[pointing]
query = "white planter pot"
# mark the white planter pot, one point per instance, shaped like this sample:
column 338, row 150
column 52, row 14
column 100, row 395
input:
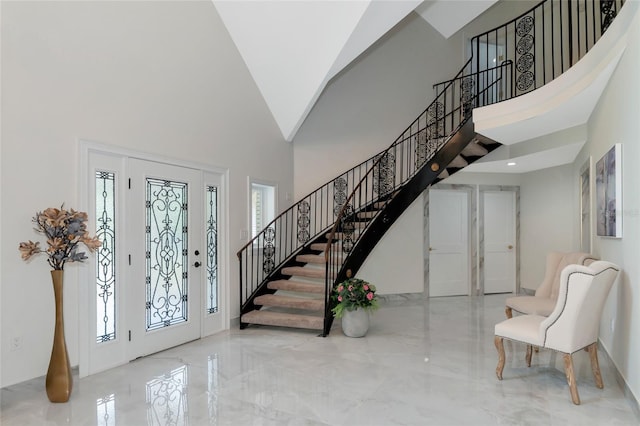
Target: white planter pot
column 355, row 323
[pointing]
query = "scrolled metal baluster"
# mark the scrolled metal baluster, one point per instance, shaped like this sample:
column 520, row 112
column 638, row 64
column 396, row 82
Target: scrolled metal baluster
column 303, row 222
column 268, row 251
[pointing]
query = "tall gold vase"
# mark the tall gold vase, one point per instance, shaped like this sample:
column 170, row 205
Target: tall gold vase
column 59, row 381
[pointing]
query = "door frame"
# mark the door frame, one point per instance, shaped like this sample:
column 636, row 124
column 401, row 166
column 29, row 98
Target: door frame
column 87, row 275
column 482, row 189
column 470, row 190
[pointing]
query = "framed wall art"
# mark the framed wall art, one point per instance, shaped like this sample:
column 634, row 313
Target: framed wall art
column 608, row 175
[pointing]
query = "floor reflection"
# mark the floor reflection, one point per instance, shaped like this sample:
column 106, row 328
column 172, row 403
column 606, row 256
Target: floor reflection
column 423, row 362
column 212, row 388
column 167, row 400
column 106, row 410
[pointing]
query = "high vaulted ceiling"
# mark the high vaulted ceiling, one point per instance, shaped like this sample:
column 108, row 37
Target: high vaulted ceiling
column 293, row 48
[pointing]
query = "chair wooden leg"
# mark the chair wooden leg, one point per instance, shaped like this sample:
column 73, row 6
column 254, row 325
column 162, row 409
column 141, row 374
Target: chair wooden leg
column 508, row 312
column 529, row 351
column 571, row 378
column 595, row 366
column 501, row 358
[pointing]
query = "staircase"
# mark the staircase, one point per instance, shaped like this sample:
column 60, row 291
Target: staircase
column 288, row 271
column 294, row 295
column 298, row 300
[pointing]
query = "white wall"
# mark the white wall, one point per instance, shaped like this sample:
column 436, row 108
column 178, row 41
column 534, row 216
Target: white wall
column 615, row 120
column 547, row 219
column 365, row 107
column 158, row 77
column 396, row 263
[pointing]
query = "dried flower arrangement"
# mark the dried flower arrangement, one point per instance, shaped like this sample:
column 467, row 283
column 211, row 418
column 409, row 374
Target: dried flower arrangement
column 64, row 230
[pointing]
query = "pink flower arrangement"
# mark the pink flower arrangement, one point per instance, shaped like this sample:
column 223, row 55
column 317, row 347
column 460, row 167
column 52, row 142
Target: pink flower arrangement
column 353, row 294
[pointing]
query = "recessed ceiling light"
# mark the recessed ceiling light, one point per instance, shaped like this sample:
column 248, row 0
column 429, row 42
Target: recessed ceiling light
column 511, row 163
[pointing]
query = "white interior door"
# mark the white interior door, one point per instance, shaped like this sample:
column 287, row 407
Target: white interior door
column 449, row 269
column 166, row 254
column 499, row 241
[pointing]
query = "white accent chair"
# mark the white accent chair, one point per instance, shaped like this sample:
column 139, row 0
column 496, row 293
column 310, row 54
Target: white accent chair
column 573, row 325
column 547, row 293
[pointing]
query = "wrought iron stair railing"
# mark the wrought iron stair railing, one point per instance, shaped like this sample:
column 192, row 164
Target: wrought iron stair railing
column 399, row 174
column 507, row 61
column 261, row 259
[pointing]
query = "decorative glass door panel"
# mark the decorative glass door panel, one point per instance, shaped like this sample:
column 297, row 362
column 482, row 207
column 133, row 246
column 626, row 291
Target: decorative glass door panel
column 165, row 281
column 105, row 184
column 213, row 257
column 167, row 243
column 212, row 249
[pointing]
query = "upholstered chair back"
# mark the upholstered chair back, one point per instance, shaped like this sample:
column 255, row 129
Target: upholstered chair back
column 553, row 260
column 575, row 321
column 556, row 262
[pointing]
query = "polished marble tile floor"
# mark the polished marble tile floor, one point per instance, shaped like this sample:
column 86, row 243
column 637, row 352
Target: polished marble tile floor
column 422, row 363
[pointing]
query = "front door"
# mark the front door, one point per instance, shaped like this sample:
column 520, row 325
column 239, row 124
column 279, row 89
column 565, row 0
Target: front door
column 158, row 279
column 166, row 255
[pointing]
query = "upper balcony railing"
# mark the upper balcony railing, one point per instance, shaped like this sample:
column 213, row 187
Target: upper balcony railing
column 542, row 43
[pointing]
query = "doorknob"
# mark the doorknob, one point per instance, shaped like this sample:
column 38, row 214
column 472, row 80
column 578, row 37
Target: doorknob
column 431, row 249
column 510, row 246
column 197, row 264
column 197, row 252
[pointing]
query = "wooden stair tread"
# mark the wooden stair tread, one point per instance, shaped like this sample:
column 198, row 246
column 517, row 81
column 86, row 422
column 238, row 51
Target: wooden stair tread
column 290, row 302
column 321, row 246
column 358, row 225
column 292, row 285
column 282, row 319
column 340, row 235
column 475, row 149
column 379, row 204
column 304, row 272
column 311, row 258
column 458, row 162
column 368, row 214
column 318, row 246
